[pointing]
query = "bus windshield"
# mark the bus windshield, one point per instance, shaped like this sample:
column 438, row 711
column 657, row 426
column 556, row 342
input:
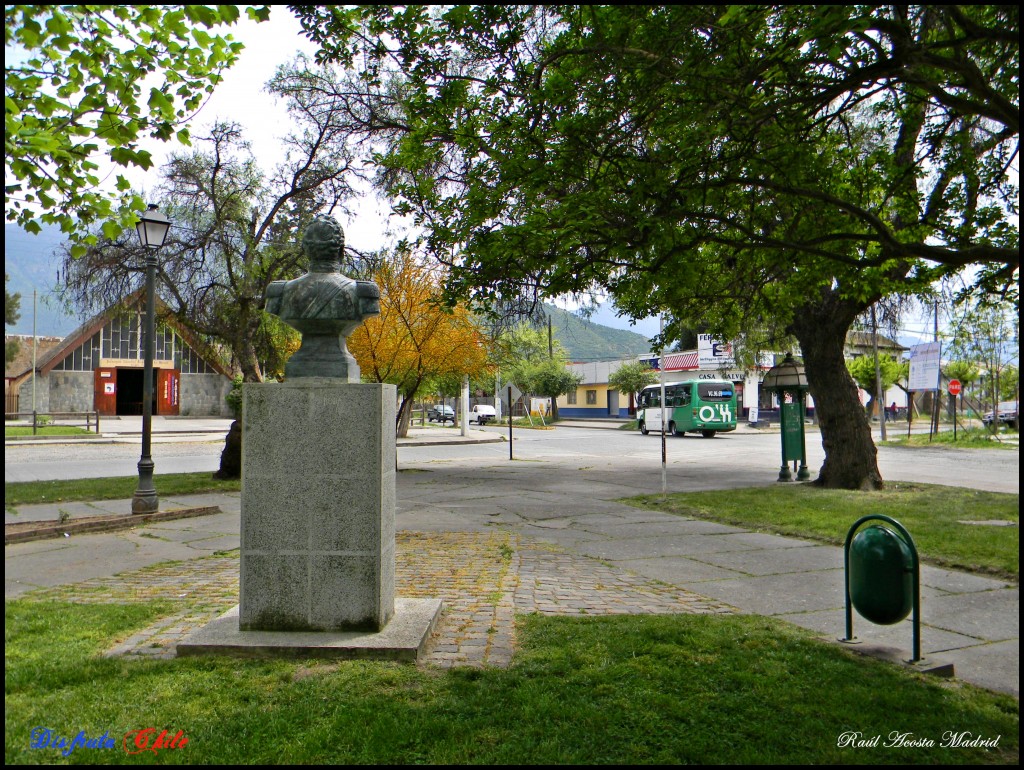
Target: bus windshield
column 714, row 391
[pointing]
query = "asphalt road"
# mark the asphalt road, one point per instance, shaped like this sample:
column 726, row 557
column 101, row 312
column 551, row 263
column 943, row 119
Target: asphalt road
column 736, row 459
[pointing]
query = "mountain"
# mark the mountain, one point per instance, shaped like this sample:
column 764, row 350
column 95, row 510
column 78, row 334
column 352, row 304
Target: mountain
column 30, row 262
column 585, row 340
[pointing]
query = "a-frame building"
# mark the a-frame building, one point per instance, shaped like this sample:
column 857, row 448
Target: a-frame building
column 99, row 367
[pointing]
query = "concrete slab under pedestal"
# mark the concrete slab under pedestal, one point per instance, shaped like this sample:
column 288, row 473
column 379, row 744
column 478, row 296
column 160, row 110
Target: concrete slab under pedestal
column 402, row 639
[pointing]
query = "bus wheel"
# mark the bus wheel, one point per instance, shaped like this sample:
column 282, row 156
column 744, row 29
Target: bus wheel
column 672, row 429
column 643, row 428
column 707, row 433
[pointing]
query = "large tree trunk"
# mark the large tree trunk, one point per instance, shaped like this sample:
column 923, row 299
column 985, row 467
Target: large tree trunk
column 851, row 459
column 231, row 456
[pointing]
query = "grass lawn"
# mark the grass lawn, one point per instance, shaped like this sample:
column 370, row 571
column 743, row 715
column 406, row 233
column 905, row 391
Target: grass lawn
column 47, row 430
column 937, row 517
column 966, row 438
column 620, row 689
column 115, row 488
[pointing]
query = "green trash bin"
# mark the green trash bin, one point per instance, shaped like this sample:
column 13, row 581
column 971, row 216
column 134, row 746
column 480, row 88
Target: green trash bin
column 881, row 575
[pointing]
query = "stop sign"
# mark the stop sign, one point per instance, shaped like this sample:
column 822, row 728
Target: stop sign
column 955, row 387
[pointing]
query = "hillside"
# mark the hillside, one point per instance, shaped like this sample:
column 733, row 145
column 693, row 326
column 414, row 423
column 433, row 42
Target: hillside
column 588, row 341
column 30, row 262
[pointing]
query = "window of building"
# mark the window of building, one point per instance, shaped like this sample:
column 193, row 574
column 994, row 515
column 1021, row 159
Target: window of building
column 83, row 358
column 570, row 397
column 591, row 397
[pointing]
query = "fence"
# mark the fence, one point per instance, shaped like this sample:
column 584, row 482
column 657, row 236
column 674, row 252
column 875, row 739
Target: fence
column 42, row 419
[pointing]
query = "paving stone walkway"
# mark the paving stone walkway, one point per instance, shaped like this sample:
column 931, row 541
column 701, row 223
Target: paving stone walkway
column 485, row 579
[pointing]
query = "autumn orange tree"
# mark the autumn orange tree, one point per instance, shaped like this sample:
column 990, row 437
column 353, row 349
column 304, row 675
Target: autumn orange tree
column 416, row 339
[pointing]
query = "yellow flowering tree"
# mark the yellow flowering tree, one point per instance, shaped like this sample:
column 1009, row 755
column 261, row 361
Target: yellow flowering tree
column 416, row 338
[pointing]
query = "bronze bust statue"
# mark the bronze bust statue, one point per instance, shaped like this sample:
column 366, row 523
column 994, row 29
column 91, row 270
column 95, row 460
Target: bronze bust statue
column 324, row 305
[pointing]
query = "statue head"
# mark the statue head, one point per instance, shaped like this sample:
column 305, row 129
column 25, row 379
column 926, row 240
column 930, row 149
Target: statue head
column 324, row 242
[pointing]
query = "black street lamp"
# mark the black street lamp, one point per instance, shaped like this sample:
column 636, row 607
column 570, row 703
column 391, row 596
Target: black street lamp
column 152, row 229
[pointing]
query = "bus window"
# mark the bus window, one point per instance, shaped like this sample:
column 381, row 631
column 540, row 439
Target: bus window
column 684, row 396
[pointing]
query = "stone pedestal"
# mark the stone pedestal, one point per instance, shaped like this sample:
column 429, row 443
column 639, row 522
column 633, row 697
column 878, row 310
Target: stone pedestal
column 318, row 506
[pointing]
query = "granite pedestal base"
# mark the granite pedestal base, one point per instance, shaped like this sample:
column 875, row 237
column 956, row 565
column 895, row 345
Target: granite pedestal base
column 318, row 506
column 402, row 639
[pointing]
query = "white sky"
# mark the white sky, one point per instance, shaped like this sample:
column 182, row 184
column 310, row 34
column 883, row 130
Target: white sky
column 241, row 97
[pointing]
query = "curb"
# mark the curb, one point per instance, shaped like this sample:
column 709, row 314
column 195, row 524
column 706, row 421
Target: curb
column 124, row 438
column 104, row 524
column 449, row 442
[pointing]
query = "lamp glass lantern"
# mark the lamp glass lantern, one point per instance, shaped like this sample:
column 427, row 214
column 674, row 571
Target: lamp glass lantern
column 152, row 228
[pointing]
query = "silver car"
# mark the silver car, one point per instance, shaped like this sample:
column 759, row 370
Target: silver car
column 1007, row 414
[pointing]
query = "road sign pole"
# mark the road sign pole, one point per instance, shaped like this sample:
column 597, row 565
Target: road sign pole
column 509, row 422
column 955, row 389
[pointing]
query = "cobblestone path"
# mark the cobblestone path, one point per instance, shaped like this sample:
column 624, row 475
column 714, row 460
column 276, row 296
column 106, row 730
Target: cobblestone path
column 483, row 578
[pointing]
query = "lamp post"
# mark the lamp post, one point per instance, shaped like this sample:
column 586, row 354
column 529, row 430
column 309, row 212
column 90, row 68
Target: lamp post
column 152, row 229
column 789, row 377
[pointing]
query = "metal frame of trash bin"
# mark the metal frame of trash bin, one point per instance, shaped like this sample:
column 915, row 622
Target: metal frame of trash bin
column 916, row 581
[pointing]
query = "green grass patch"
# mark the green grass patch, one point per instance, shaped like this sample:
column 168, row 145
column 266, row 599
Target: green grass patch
column 622, row 689
column 934, row 515
column 114, row 488
column 967, row 438
column 47, row 430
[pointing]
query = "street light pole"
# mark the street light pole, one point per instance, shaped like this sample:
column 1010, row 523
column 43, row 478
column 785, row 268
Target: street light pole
column 152, row 229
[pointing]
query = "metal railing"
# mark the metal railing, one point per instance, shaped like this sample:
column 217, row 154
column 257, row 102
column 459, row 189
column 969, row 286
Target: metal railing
column 42, row 419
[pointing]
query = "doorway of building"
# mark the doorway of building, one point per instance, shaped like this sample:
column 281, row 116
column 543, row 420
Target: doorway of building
column 129, row 391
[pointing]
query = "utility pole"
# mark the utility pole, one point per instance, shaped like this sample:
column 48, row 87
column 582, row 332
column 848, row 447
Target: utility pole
column 880, row 398
column 938, row 378
column 664, row 449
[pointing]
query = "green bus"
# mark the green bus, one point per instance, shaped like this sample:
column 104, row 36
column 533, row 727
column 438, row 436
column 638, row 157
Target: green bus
column 694, row 406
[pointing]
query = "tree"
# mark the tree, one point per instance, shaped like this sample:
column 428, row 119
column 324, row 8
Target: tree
column 632, row 377
column 987, row 335
column 235, row 230
column 12, row 312
column 966, row 372
column 863, row 371
column 416, row 339
column 525, row 358
column 769, row 167
column 74, row 80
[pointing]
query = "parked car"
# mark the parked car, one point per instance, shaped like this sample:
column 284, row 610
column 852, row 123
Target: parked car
column 1007, row 414
column 441, row 413
column 482, row 414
